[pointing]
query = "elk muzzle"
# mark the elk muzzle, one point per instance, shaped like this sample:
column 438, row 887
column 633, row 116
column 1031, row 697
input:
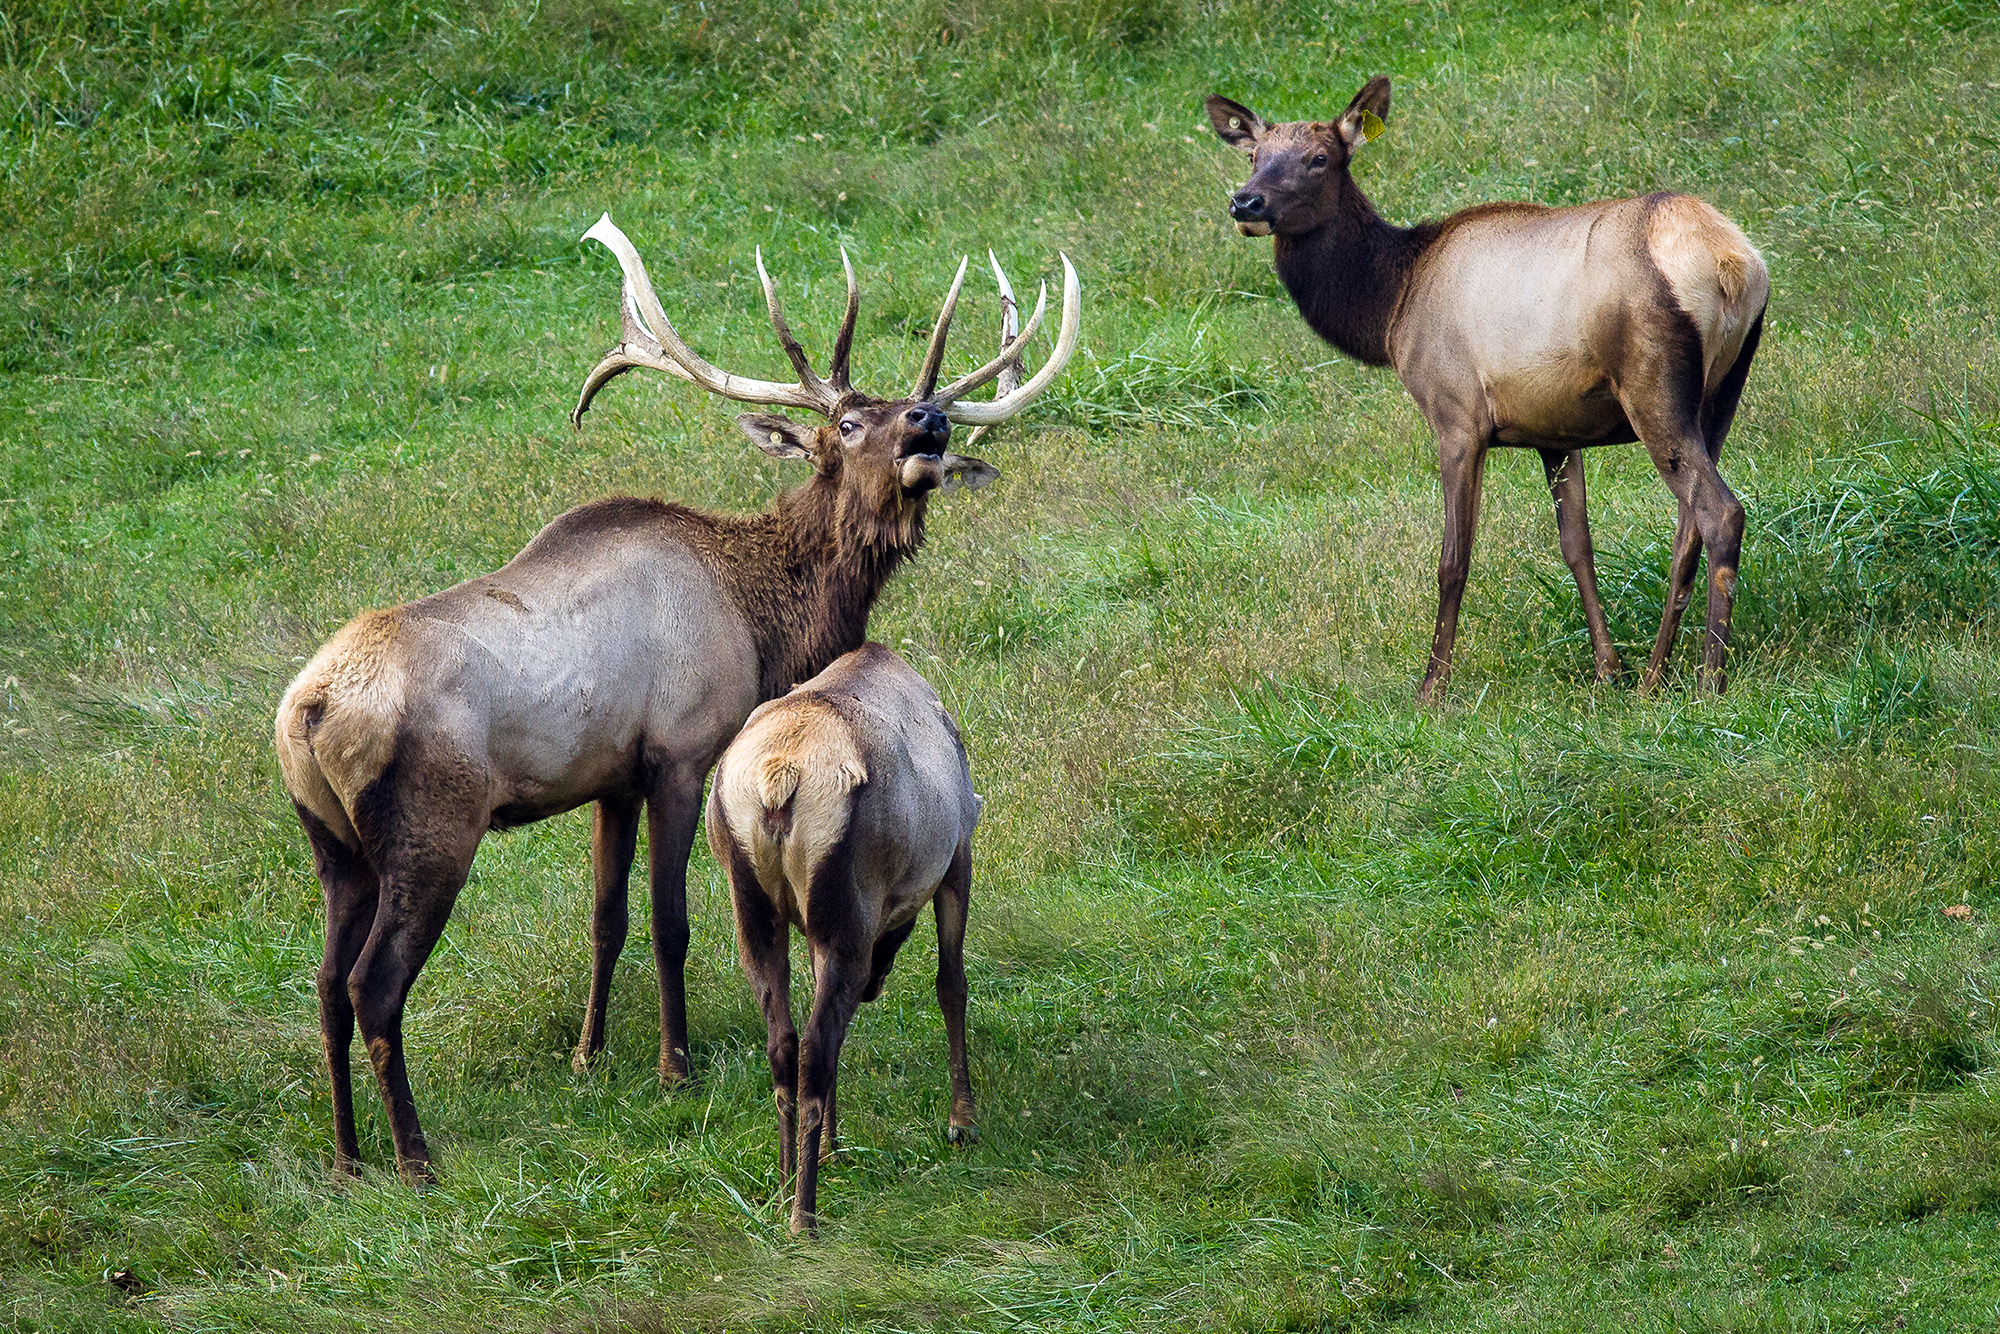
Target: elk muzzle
column 1248, row 208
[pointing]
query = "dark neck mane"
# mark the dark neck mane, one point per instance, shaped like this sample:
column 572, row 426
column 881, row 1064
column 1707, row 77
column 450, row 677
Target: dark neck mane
column 1348, row 276
column 806, row 573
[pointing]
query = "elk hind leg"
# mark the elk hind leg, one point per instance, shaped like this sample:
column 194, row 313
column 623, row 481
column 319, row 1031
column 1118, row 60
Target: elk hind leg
column 763, row 949
column 1565, row 474
column 351, row 892
column 1680, row 587
column 418, row 890
column 1673, row 437
column 839, row 975
column 614, row 836
column 950, row 906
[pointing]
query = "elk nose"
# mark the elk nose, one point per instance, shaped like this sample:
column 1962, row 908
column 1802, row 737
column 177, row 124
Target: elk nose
column 929, row 421
column 1244, row 206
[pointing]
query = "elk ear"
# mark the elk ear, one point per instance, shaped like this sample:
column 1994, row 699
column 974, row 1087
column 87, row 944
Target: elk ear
column 777, row 437
column 1365, row 115
column 963, row 470
column 1235, row 124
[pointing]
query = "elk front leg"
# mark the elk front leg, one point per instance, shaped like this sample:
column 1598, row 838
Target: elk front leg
column 838, row 980
column 950, row 905
column 1565, row 474
column 1461, row 468
column 614, row 836
column 673, row 809
column 351, row 894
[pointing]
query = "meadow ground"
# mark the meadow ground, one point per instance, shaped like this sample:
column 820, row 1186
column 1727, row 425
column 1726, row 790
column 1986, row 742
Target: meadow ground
column 1293, row 1006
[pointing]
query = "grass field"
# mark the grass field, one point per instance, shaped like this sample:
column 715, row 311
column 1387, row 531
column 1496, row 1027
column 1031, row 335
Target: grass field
column 1293, row 1006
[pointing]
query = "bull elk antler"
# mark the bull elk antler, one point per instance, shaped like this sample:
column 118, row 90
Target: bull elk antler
column 649, row 340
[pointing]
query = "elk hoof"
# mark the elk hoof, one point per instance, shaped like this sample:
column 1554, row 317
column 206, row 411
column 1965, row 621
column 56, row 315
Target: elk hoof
column 673, row 1068
column 962, row 1135
column 579, row 1061
column 419, row 1174
column 344, row 1166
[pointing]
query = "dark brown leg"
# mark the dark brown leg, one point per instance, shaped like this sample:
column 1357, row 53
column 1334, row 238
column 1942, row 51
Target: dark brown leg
column 1672, row 437
column 673, row 809
column 415, row 902
column 1565, row 474
column 1461, row 467
column 1680, row 586
column 950, row 905
column 614, row 836
column 763, row 949
column 351, row 893
column 838, row 979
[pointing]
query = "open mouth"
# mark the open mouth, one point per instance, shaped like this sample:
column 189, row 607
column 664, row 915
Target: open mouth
column 921, row 472
column 1259, row 228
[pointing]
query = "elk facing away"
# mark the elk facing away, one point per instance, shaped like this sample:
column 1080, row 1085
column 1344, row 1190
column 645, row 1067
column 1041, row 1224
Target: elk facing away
column 1515, row 324
column 610, row 662
column 843, row 809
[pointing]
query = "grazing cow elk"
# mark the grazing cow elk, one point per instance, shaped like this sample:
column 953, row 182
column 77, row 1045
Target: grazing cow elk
column 843, row 809
column 1516, row 324
column 610, row 662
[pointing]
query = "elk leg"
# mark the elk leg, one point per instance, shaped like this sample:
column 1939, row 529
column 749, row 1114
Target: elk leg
column 614, row 836
column 351, row 893
column 408, row 921
column 1680, row 453
column 950, row 905
column 839, row 974
column 763, row 948
column 1680, row 585
column 1565, row 474
column 673, row 809
column 1461, row 466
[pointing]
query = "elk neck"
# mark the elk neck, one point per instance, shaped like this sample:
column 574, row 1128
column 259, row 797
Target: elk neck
column 1348, row 276
column 826, row 557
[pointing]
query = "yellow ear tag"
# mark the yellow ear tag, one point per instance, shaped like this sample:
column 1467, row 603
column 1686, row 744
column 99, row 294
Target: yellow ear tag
column 1371, row 127
column 777, row 439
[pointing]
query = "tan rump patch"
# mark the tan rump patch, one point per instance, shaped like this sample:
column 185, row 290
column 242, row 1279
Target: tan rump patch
column 336, row 726
column 802, row 754
column 1716, row 275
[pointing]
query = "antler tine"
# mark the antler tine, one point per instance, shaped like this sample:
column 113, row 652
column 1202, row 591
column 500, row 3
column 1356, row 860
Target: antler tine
column 836, row 374
column 1007, row 364
column 790, row 344
column 1009, row 376
column 650, row 341
column 636, row 348
column 934, row 356
column 1000, row 409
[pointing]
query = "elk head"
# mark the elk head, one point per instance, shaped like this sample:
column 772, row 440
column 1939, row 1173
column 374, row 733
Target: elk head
column 1297, row 168
column 881, row 453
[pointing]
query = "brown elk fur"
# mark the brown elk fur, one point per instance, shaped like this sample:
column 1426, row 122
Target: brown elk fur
column 842, row 809
column 1513, row 324
column 610, row 662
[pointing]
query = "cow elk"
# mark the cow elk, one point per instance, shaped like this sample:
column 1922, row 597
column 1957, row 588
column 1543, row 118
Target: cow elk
column 610, row 662
column 842, row 810
column 1515, row 324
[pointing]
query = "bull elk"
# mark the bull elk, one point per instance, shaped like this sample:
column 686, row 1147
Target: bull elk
column 610, row 662
column 843, row 809
column 1515, row 324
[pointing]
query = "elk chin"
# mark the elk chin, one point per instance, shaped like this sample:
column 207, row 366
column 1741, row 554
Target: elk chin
column 922, row 472
column 1254, row 228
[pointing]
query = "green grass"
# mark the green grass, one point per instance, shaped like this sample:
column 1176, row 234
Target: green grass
column 1293, row 1006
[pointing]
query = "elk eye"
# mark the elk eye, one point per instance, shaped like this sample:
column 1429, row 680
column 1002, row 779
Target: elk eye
column 849, row 427
column 1319, row 159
